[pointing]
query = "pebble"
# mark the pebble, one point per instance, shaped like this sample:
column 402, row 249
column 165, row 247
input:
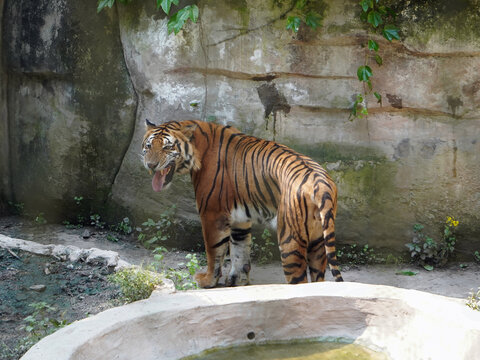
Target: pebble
column 86, row 234
column 38, row 288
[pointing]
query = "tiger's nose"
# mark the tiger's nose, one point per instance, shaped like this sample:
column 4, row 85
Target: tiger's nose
column 152, row 165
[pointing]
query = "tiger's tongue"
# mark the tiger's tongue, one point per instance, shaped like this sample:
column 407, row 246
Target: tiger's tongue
column 158, row 180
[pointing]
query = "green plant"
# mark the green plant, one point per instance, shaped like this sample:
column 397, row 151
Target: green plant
column 78, row 200
column 429, row 253
column 380, row 18
column 16, row 208
column 476, row 256
column 39, row 324
column 175, row 21
column 153, row 232
column 124, row 227
column 356, row 255
column 112, row 238
column 135, row 283
column 40, row 219
column 473, row 300
column 303, row 12
column 183, row 278
column 95, row 221
column 263, row 253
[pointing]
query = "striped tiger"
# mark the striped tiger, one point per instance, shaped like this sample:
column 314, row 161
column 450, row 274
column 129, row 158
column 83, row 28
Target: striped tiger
column 240, row 179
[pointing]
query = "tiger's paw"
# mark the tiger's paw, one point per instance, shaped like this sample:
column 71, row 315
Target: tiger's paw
column 205, row 280
column 238, row 279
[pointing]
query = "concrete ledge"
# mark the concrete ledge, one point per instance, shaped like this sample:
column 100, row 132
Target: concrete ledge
column 404, row 324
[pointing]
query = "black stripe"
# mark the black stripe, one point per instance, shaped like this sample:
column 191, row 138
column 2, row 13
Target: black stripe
column 220, row 243
column 298, row 279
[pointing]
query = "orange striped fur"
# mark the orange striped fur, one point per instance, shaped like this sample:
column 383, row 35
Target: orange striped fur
column 240, row 179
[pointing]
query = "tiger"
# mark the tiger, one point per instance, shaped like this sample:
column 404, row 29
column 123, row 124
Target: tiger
column 240, row 179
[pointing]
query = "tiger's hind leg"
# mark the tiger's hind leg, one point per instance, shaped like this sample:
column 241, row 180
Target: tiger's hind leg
column 317, row 260
column 328, row 225
column 293, row 251
column 240, row 244
column 216, row 235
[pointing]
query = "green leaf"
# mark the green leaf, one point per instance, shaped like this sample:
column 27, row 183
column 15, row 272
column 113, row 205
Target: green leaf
column 166, row 4
column 378, row 96
column 378, row 59
column 300, row 4
column 366, row 4
column 407, row 273
column 293, row 23
column 176, row 22
column 390, row 32
column 104, row 3
column 364, row 73
column 372, row 45
column 313, row 20
column 428, row 267
column 375, row 18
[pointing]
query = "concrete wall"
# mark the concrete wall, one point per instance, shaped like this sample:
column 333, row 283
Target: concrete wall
column 414, row 159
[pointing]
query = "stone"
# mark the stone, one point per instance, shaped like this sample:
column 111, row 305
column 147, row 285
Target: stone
column 38, row 288
column 86, row 234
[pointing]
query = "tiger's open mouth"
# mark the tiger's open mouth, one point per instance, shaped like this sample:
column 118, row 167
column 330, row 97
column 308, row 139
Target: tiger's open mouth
column 162, row 177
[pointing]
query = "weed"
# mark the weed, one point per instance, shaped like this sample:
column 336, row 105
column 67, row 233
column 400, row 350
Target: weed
column 476, row 256
column 152, row 233
column 135, row 283
column 37, row 325
column 124, row 227
column 69, row 225
column 112, row 238
column 40, row 219
column 356, row 255
column 16, row 208
column 95, row 221
column 429, row 253
column 473, row 300
column 78, row 200
column 183, row 276
column 263, row 253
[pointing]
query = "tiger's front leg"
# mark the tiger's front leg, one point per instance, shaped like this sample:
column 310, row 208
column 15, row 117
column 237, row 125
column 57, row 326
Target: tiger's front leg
column 216, row 235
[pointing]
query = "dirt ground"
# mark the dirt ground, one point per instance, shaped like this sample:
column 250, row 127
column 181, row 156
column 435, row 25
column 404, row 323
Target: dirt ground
column 78, row 290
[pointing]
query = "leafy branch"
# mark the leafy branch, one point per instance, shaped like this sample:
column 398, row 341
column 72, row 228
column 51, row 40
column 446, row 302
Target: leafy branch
column 380, row 18
column 175, row 22
column 303, row 12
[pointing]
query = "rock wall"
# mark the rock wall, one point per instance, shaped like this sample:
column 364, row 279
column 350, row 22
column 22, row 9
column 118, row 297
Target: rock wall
column 5, row 192
column 71, row 104
column 74, row 110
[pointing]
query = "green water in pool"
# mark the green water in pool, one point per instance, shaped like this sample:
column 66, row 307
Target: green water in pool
column 291, row 351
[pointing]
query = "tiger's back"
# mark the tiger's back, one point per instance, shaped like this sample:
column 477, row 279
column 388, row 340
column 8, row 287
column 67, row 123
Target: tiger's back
column 243, row 179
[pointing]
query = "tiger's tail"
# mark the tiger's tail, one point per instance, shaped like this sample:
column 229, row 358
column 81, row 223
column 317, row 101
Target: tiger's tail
column 327, row 216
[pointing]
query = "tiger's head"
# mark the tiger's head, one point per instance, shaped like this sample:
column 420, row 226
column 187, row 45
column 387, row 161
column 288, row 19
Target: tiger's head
column 167, row 150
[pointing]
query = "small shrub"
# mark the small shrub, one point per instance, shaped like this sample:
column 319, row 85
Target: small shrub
column 135, row 283
column 154, row 232
column 476, row 256
column 95, row 221
column 112, row 238
column 356, row 255
column 124, row 227
column 473, row 300
column 429, row 253
column 40, row 219
column 183, row 276
column 263, row 253
column 16, row 208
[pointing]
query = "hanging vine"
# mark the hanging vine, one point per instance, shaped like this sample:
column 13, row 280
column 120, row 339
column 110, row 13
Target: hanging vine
column 381, row 21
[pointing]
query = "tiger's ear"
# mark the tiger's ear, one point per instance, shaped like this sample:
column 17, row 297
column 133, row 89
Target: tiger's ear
column 149, row 124
column 188, row 130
